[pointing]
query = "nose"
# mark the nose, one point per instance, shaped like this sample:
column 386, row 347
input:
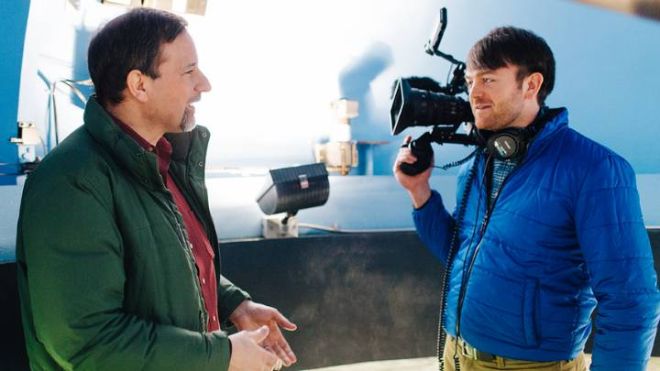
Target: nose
column 203, row 85
column 474, row 90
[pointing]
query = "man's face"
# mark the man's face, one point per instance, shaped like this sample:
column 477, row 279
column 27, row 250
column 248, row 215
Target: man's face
column 496, row 97
column 180, row 84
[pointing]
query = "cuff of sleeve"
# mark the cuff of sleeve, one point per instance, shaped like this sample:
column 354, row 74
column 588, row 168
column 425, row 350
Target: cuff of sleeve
column 222, row 354
column 231, row 299
column 434, row 195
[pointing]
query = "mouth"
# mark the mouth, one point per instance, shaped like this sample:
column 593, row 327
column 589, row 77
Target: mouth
column 191, row 104
column 481, row 107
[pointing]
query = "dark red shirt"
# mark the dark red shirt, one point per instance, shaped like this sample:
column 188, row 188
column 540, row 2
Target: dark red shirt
column 200, row 245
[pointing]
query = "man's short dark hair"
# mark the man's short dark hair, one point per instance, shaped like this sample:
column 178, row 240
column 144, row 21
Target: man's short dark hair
column 514, row 46
column 129, row 42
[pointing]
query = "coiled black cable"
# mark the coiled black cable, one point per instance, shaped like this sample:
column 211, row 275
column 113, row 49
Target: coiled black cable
column 450, row 262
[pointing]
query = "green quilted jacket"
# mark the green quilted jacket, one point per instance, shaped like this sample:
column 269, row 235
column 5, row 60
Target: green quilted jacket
column 106, row 277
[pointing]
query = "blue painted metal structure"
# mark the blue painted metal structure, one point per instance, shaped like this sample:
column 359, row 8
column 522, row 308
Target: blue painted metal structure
column 12, row 28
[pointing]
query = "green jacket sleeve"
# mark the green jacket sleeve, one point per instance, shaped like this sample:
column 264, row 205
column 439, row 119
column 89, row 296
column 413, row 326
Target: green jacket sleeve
column 71, row 283
column 229, row 297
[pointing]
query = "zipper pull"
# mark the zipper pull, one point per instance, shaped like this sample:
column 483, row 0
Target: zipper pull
column 484, row 224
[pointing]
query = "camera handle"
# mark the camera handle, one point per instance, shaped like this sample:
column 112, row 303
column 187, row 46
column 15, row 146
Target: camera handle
column 422, row 150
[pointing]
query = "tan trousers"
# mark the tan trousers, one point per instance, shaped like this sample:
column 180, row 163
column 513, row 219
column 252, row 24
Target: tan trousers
column 500, row 363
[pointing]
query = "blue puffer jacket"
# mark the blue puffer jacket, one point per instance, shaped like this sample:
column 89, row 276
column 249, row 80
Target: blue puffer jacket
column 565, row 234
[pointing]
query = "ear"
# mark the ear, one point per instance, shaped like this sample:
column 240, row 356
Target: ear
column 136, row 85
column 532, row 85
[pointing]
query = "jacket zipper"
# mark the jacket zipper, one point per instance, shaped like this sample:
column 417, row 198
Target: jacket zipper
column 204, row 216
column 191, row 259
column 473, row 258
column 202, row 213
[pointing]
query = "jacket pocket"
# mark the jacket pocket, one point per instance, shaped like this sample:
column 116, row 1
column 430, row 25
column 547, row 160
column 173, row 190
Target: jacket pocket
column 529, row 312
column 500, row 308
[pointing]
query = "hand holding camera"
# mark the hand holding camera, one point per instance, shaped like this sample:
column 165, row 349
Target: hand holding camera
column 421, row 101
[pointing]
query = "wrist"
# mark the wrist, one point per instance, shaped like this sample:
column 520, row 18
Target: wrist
column 240, row 311
column 420, row 195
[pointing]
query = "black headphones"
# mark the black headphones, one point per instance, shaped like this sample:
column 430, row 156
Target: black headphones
column 512, row 143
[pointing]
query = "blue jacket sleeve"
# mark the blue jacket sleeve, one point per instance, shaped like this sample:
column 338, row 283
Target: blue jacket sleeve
column 434, row 226
column 617, row 251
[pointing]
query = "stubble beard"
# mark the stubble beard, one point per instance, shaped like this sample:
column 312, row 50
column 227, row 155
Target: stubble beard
column 187, row 121
column 499, row 118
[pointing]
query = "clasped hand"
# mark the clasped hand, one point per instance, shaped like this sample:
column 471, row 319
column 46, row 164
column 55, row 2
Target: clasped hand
column 259, row 344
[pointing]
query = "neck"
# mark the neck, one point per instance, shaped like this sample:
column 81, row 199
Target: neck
column 527, row 116
column 136, row 121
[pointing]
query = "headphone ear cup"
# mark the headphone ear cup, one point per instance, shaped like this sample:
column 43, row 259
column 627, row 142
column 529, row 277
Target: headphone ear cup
column 507, row 144
column 512, row 143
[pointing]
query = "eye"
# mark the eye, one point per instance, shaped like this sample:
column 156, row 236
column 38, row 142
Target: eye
column 190, row 70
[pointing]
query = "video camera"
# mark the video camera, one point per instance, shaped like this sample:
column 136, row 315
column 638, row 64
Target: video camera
column 421, row 101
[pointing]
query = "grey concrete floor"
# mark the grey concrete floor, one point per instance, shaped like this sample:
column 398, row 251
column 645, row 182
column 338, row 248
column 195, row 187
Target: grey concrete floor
column 422, row 364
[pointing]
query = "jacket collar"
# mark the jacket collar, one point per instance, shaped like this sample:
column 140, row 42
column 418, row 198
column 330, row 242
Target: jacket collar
column 187, row 147
column 557, row 120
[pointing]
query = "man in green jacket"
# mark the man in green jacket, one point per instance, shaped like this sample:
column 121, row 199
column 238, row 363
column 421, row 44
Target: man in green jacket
column 117, row 253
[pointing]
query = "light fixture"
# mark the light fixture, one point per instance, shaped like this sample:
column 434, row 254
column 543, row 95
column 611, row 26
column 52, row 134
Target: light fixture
column 340, row 152
column 288, row 190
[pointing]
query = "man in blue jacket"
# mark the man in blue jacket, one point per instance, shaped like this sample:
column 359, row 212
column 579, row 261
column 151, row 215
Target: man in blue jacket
column 547, row 228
